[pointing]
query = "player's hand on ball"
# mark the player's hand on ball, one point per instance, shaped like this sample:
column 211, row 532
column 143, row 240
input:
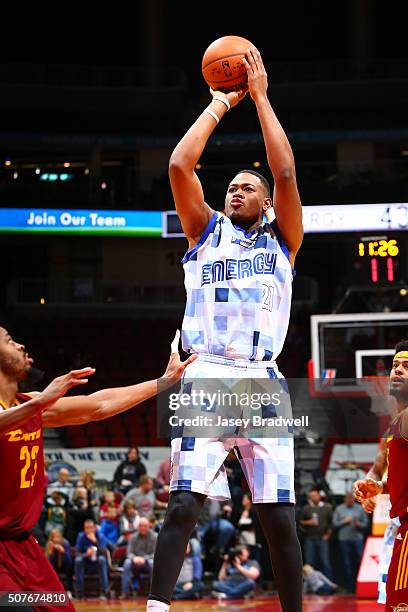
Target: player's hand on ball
column 365, row 489
column 60, row 385
column 257, row 77
column 233, row 97
column 175, row 367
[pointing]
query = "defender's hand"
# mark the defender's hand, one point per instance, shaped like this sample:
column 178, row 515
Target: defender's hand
column 175, row 367
column 60, row 385
column 257, row 77
column 233, row 97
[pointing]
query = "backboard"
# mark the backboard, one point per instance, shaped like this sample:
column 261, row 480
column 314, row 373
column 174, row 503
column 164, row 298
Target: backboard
column 349, row 347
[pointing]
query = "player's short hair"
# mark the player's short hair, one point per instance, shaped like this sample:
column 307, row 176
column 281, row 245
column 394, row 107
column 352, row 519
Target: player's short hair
column 263, row 180
column 402, row 345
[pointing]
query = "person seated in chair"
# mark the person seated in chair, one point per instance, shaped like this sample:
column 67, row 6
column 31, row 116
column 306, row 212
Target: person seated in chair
column 128, row 523
column 78, row 512
column 58, row 551
column 91, row 547
column 237, row 576
column 189, row 584
column 139, row 556
column 110, row 527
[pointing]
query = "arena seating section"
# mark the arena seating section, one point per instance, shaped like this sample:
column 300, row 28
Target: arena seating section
column 124, row 352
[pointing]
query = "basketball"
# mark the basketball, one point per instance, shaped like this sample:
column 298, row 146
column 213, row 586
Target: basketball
column 222, row 65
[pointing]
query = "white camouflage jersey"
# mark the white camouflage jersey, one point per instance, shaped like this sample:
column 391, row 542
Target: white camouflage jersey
column 239, row 289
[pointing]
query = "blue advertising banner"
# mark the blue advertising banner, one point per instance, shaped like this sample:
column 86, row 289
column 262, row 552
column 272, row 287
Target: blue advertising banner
column 84, row 222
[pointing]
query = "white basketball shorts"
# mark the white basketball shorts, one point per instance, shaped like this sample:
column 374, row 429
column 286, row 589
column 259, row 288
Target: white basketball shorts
column 197, row 462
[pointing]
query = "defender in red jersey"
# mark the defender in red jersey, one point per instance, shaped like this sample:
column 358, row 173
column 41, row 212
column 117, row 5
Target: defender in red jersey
column 23, row 565
column 396, row 484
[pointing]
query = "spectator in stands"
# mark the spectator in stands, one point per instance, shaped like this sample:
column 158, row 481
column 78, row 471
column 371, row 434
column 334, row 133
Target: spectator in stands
column 56, row 508
column 87, row 480
column 237, row 576
column 162, row 482
column 91, row 547
column 62, row 484
column 128, row 522
column 351, row 523
column 78, row 512
column 47, row 478
column 163, row 473
column 189, row 584
column 154, row 523
column 144, row 497
column 128, row 473
column 195, row 545
column 316, row 582
column 219, row 530
column 245, row 521
column 58, row 551
column 108, row 501
column 139, row 556
column 110, row 526
column 316, row 520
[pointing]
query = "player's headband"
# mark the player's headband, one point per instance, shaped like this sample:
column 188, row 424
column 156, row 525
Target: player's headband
column 401, row 355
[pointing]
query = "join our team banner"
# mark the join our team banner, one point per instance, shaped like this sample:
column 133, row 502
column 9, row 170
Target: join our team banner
column 166, row 224
column 69, row 221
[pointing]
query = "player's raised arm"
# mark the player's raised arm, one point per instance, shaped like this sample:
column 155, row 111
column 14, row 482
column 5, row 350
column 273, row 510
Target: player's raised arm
column 40, row 402
column 188, row 194
column 286, row 200
column 108, row 402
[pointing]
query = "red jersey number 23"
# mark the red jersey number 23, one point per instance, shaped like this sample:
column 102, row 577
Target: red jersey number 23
column 28, row 471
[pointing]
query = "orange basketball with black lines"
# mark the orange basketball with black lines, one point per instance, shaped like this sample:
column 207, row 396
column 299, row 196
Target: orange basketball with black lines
column 222, row 65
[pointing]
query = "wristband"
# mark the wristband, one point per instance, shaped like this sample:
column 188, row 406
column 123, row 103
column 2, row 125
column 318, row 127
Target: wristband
column 213, row 115
column 223, row 100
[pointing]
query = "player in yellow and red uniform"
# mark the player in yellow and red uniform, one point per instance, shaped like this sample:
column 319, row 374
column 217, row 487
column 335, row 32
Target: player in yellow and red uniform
column 396, row 484
column 23, row 565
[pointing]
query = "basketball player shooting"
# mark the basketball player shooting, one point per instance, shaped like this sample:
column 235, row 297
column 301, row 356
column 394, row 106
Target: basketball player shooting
column 23, row 565
column 238, row 278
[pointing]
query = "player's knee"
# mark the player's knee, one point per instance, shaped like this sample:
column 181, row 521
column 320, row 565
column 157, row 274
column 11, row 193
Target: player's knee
column 183, row 510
